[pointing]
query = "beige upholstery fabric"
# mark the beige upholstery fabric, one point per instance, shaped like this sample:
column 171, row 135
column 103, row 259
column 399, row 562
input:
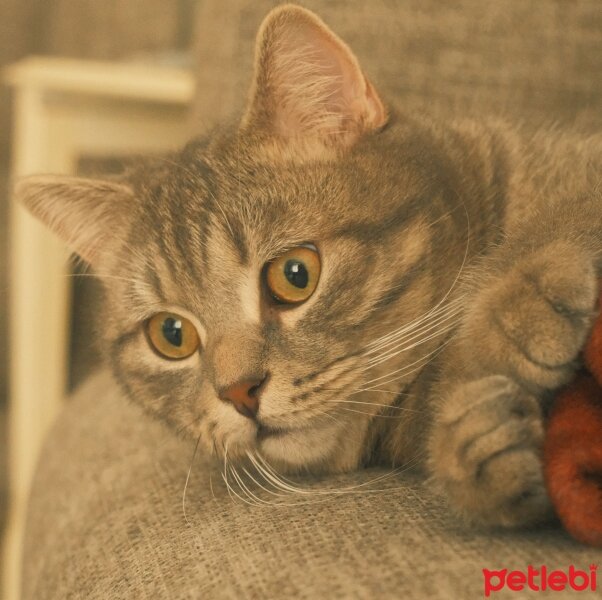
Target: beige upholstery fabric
column 106, row 522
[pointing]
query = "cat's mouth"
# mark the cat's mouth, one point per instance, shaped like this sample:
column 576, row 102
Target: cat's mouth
column 264, row 432
column 274, row 432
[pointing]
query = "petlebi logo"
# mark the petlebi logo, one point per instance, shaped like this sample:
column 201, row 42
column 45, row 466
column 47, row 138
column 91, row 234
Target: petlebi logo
column 540, row 579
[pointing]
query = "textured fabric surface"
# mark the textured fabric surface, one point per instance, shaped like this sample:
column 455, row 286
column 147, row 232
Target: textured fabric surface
column 106, row 521
column 531, row 59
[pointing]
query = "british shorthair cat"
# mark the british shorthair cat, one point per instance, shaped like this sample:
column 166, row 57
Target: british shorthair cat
column 332, row 282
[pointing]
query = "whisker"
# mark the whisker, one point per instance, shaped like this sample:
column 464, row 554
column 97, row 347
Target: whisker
column 439, row 328
column 332, row 491
column 303, row 503
column 196, row 447
column 272, row 492
column 266, row 465
column 404, row 368
column 231, row 490
column 399, row 408
column 253, row 499
column 369, row 414
column 404, row 373
column 225, row 472
column 372, row 389
column 409, row 327
column 437, row 333
column 314, row 410
column 211, row 486
column 245, row 500
column 273, row 478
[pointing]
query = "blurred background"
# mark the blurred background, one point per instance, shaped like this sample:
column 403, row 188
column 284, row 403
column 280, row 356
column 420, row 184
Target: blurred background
column 141, row 30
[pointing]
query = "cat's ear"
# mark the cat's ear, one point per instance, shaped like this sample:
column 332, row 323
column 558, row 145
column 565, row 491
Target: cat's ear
column 308, row 83
column 86, row 213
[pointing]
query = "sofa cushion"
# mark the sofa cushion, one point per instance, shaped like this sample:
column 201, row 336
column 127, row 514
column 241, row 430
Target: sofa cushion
column 106, row 521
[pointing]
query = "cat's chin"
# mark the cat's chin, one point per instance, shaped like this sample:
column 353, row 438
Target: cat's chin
column 298, row 448
column 292, row 449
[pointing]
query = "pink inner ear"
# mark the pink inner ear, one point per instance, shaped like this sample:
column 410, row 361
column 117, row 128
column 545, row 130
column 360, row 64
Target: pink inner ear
column 314, row 85
column 310, row 84
column 84, row 212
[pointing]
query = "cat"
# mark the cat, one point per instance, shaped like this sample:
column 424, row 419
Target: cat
column 332, row 282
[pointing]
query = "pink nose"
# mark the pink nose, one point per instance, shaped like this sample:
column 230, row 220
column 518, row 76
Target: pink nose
column 244, row 395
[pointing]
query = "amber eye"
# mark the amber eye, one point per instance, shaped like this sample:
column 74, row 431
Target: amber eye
column 293, row 276
column 172, row 336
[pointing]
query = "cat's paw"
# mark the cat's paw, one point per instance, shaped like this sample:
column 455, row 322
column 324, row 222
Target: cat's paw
column 532, row 322
column 485, row 453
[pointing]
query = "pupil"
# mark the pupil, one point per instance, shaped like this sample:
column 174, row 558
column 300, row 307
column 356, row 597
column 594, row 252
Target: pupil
column 296, row 273
column 172, row 331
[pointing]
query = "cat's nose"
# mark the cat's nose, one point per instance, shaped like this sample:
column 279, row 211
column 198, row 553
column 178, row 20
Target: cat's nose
column 245, row 394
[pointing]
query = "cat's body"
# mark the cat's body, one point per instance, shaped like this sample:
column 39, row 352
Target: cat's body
column 453, row 270
column 528, row 299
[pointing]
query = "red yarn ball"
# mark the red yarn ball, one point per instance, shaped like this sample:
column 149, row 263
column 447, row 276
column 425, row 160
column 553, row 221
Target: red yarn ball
column 573, row 457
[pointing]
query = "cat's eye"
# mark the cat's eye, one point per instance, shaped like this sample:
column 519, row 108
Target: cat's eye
column 293, row 276
column 172, row 336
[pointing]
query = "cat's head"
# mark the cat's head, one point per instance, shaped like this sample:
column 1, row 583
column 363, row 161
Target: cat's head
column 265, row 286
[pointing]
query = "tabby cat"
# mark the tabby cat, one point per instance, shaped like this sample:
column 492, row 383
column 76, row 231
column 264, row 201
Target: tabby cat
column 333, row 283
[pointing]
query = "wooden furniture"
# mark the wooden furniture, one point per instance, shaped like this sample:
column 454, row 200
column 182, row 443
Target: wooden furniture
column 65, row 109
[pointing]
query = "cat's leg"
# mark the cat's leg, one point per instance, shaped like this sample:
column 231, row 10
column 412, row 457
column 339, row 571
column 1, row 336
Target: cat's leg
column 521, row 338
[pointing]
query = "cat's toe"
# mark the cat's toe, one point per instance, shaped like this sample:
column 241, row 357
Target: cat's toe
column 485, row 453
column 513, row 480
